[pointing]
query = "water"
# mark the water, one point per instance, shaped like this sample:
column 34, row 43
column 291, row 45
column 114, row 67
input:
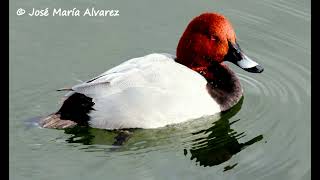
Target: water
column 267, row 136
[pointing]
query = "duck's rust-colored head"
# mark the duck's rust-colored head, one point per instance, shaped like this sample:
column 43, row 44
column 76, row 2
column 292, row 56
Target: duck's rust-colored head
column 210, row 38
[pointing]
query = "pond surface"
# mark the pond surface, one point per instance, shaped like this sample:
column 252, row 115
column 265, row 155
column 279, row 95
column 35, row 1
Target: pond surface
column 266, row 136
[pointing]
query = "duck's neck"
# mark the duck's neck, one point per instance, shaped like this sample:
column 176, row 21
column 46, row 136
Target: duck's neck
column 196, row 63
column 223, row 84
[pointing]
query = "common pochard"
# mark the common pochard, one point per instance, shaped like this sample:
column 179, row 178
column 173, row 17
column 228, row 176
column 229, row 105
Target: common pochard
column 161, row 89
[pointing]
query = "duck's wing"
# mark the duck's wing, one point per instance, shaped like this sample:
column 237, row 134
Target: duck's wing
column 136, row 72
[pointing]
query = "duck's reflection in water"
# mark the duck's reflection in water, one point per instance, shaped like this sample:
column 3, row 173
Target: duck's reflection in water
column 92, row 136
column 220, row 142
column 80, row 135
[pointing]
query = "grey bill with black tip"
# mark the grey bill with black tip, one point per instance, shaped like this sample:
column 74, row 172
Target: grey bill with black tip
column 236, row 56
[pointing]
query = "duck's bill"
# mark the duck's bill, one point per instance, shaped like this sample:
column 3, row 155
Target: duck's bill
column 249, row 65
column 236, row 56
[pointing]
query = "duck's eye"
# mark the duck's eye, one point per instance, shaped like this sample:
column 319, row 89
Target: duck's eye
column 213, row 38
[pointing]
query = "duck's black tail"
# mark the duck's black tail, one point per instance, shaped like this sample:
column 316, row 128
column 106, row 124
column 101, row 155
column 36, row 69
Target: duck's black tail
column 74, row 110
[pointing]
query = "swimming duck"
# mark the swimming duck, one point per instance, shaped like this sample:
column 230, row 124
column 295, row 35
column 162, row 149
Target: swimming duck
column 160, row 89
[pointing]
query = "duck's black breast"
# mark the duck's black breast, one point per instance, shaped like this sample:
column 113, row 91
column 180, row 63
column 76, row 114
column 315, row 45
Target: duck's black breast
column 225, row 87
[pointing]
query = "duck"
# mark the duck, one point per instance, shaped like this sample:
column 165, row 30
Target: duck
column 161, row 89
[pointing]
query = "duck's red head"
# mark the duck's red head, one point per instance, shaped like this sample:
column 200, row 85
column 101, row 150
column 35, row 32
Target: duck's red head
column 210, row 38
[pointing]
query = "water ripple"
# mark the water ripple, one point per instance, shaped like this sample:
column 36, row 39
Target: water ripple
column 288, row 8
